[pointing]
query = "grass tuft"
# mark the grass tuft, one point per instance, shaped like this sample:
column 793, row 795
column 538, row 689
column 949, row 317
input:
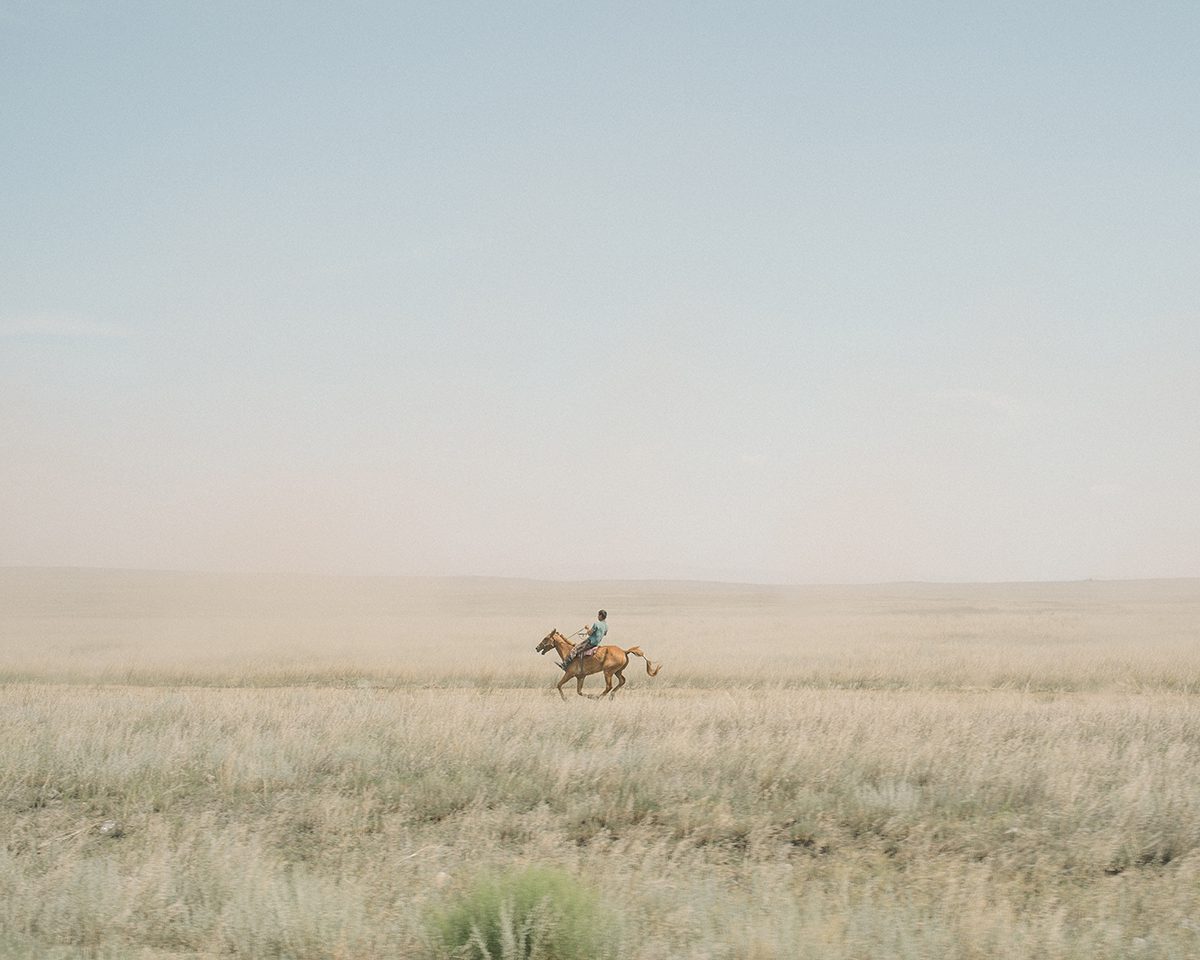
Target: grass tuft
column 532, row 913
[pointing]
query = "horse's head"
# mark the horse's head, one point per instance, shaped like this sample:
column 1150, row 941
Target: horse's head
column 547, row 643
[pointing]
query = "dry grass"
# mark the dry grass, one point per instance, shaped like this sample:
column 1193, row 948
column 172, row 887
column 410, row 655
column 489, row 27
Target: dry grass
column 308, row 769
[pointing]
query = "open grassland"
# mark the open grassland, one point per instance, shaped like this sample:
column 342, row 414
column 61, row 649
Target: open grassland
column 316, row 768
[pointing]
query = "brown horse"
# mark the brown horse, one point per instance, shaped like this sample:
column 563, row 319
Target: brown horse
column 612, row 660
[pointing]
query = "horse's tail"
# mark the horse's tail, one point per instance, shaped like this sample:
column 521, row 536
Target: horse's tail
column 650, row 668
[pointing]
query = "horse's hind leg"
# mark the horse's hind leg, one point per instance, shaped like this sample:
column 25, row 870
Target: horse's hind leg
column 620, row 683
column 607, row 686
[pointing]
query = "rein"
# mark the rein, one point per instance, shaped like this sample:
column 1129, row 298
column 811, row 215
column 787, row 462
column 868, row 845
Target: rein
column 577, row 633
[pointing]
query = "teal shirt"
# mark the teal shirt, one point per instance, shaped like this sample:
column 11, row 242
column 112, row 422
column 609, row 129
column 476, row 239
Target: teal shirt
column 596, row 634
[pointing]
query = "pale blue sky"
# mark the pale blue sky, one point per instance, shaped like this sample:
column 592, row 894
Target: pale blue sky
column 796, row 292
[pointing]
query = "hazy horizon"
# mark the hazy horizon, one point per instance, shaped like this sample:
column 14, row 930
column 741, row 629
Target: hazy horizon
column 292, row 575
column 797, row 294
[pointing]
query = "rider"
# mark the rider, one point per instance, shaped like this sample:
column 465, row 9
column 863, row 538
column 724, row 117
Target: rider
column 595, row 634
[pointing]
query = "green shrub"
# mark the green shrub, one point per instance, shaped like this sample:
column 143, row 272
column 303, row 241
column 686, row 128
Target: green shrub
column 534, row 913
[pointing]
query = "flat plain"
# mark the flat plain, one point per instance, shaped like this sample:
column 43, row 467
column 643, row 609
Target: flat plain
column 299, row 767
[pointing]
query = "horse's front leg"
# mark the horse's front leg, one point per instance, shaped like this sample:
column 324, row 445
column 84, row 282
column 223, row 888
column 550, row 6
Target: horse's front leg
column 559, row 685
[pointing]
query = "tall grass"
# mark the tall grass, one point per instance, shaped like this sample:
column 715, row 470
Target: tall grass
column 324, row 823
column 931, row 794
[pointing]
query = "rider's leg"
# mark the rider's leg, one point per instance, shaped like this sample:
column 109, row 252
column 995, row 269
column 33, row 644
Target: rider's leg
column 572, row 655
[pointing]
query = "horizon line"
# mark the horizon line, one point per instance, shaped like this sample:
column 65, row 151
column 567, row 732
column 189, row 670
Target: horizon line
column 580, row 580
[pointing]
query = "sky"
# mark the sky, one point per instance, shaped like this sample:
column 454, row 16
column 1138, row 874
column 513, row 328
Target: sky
column 777, row 292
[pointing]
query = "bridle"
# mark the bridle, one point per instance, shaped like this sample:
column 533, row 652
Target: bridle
column 547, row 643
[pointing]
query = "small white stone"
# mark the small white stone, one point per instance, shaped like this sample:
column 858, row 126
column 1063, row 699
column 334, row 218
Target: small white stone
column 442, row 880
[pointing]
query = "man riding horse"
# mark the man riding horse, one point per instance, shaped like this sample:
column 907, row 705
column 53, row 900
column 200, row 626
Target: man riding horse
column 606, row 659
column 595, row 634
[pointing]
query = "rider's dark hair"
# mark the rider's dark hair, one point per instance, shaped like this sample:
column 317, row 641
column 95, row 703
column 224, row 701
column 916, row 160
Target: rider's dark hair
column 602, row 614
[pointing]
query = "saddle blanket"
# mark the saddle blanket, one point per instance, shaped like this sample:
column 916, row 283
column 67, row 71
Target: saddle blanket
column 590, row 652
